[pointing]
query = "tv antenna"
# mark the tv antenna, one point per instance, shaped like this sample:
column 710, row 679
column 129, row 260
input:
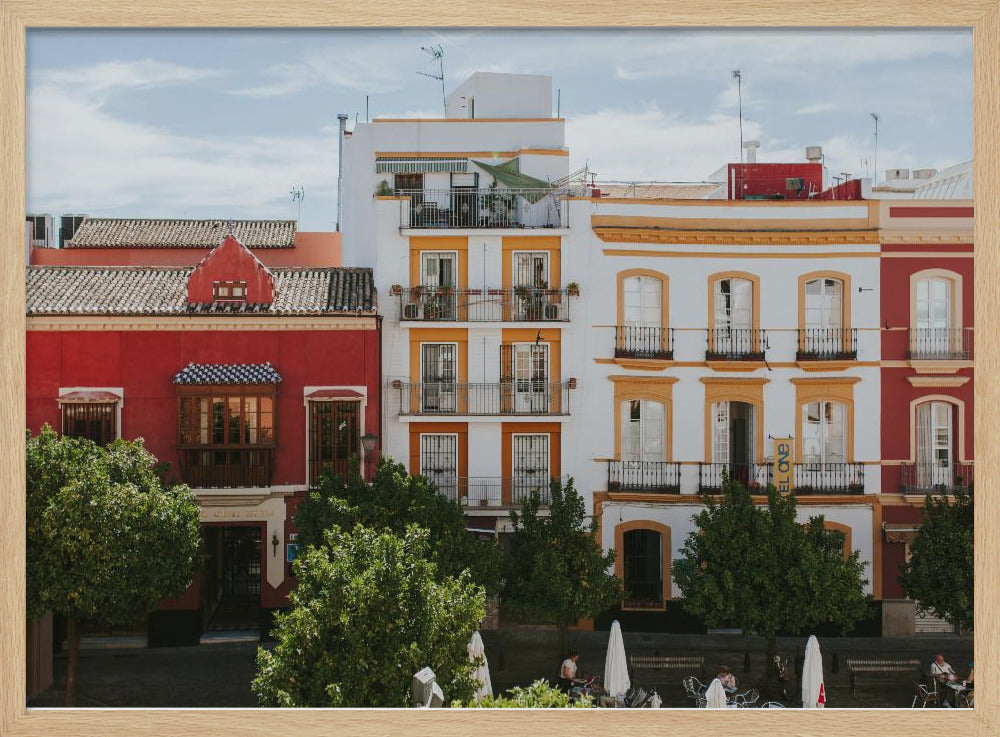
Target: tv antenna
column 875, row 166
column 436, row 54
column 738, row 76
column 298, row 194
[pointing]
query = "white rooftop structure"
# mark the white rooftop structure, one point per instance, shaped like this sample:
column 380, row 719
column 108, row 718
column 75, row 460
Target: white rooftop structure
column 494, row 95
column 954, row 183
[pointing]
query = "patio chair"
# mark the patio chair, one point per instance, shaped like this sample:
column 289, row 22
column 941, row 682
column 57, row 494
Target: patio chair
column 925, row 696
column 746, row 699
column 694, row 689
column 772, row 705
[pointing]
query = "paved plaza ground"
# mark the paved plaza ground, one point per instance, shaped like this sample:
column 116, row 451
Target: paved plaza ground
column 219, row 675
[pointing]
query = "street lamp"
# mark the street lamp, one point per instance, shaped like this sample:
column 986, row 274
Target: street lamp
column 368, row 441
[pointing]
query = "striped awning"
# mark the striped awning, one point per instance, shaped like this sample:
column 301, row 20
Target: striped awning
column 391, row 165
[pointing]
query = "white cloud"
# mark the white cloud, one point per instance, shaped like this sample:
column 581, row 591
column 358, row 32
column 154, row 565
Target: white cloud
column 141, row 74
column 83, row 159
column 818, row 107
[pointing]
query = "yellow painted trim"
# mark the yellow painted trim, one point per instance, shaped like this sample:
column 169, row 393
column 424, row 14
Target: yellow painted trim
column 739, row 238
column 421, row 244
column 829, row 365
column 641, row 364
column 845, row 299
column 741, row 366
column 551, row 244
column 835, row 389
column 732, row 254
column 750, row 391
column 653, row 389
column 751, row 226
column 666, row 561
column 942, row 381
column 938, row 367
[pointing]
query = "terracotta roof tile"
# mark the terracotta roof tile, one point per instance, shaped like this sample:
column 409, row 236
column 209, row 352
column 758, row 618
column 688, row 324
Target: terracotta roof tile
column 170, row 233
column 145, row 290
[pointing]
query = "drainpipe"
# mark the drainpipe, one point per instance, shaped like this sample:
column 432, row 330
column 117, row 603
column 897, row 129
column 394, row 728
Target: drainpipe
column 342, row 117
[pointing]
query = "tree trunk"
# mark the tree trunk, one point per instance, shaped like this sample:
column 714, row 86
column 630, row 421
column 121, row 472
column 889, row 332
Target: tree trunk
column 771, row 684
column 72, row 659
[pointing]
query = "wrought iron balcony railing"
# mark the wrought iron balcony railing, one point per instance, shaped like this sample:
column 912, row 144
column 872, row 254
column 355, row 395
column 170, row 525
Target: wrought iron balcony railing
column 215, row 467
column 829, row 478
column 642, row 341
column 755, row 476
column 513, row 397
column 736, row 344
column 939, row 344
column 492, row 491
column 519, row 304
column 827, row 344
column 483, row 208
column 936, row 478
column 646, row 477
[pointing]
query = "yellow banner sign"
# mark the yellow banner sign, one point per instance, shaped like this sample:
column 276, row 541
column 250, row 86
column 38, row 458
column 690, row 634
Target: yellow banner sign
column 784, row 448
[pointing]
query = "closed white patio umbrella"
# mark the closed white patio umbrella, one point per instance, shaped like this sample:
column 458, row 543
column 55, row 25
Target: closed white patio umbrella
column 482, row 672
column 616, row 680
column 715, row 696
column 813, row 692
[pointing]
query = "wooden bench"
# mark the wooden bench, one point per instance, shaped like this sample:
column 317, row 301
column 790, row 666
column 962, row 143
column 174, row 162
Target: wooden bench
column 663, row 662
column 885, row 668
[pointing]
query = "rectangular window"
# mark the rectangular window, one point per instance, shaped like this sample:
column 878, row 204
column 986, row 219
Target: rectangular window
column 334, row 438
column 439, row 463
column 531, row 270
column 823, row 439
column 229, row 291
column 97, row 421
column 643, row 431
column 438, row 372
column 530, row 466
column 226, row 439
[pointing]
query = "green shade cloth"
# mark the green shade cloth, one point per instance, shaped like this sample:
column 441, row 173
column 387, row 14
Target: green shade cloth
column 509, row 174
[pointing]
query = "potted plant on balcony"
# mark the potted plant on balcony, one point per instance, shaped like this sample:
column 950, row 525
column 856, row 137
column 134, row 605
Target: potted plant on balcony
column 383, row 189
column 856, row 487
column 573, row 289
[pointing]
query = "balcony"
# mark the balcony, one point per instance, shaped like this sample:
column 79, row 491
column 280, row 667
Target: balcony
column 829, row 478
column 520, row 304
column 516, row 398
column 827, row 344
column 807, row 478
column 483, row 208
column 644, row 477
column 939, row 344
column 735, row 344
column 640, row 341
column 756, row 476
column 215, row 467
column 934, row 478
column 477, row 492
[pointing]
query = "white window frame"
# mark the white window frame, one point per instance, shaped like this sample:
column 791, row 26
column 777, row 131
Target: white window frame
column 547, row 256
column 119, row 403
column 641, row 280
column 436, row 253
column 645, row 425
column 825, row 438
column 825, row 309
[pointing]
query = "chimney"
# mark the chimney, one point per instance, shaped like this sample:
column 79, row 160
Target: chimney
column 897, row 174
column 751, row 147
column 342, row 117
column 814, row 154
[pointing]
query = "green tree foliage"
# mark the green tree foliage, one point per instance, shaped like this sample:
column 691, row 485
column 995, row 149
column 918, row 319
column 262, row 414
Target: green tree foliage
column 557, row 571
column 393, row 501
column 939, row 574
column 758, row 569
column 106, row 540
column 539, row 695
column 369, row 611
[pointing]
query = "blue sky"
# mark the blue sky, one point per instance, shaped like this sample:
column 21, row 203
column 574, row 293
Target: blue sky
column 209, row 123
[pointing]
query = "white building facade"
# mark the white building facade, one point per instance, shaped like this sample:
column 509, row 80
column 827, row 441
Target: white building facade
column 646, row 348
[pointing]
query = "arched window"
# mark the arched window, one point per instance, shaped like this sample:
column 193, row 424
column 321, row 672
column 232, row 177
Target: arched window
column 643, row 569
column 935, row 444
column 824, row 303
column 642, row 330
column 936, row 325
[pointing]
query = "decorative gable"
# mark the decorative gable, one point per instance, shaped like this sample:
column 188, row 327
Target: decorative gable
column 230, row 273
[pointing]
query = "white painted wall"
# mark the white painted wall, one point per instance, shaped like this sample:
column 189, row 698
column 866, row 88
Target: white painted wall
column 501, row 96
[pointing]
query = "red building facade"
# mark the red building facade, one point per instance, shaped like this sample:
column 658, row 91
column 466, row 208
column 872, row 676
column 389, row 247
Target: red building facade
column 928, row 384
column 247, row 380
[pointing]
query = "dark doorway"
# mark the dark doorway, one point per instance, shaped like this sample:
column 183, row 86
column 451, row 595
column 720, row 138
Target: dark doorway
column 740, row 440
column 232, row 578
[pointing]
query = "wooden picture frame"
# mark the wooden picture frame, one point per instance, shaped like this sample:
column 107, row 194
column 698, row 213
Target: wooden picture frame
column 18, row 15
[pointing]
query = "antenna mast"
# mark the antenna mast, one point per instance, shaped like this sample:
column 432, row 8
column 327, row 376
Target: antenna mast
column 437, row 54
column 875, row 166
column 298, row 194
column 738, row 76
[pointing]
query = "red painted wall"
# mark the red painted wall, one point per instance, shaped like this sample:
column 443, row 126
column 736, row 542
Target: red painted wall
column 754, row 180
column 231, row 262
column 144, row 363
column 894, row 554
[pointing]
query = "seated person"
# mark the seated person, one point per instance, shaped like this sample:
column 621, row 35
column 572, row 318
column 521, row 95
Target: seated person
column 727, row 679
column 944, row 674
column 567, row 671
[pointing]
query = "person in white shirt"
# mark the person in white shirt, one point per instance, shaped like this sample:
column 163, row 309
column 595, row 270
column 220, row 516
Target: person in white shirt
column 567, row 671
column 943, row 673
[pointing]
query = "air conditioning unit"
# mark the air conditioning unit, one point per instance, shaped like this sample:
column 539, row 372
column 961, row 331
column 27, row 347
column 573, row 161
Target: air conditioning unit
column 551, row 312
column 412, row 311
